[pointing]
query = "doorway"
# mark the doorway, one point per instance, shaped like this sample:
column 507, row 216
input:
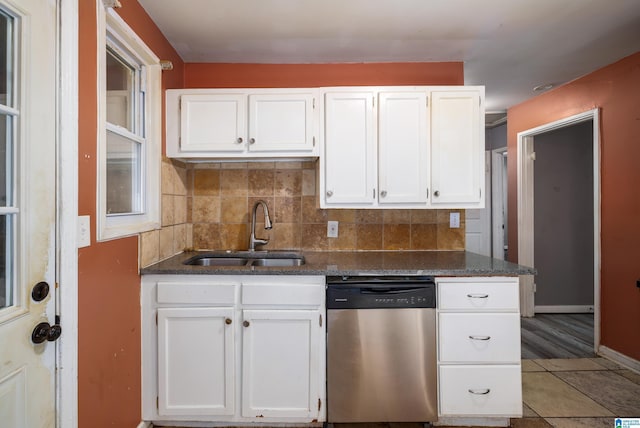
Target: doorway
column 554, row 217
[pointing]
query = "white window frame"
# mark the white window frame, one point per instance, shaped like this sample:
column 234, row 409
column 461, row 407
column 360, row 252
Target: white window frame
column 112, row 27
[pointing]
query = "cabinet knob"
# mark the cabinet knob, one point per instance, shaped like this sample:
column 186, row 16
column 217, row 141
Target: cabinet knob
column 246, row 323
column 239, row 140
column 383, row 193
column 329, row 193
column 227, row 321
column 436, row 193
column 252, row 140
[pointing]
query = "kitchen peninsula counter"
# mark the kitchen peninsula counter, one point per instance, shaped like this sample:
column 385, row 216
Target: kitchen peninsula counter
column 335, row 263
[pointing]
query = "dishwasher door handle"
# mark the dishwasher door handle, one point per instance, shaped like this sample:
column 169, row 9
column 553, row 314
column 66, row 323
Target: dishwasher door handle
column 388, row 290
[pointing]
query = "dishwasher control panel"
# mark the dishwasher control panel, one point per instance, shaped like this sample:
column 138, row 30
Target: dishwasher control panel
column 373, row 293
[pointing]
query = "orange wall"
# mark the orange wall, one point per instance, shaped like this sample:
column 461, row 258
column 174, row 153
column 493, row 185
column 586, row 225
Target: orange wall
column 614, row 89
column 108, row 289
column 207, row 75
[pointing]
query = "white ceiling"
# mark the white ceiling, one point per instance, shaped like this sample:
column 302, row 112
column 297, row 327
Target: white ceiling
column 509, row 46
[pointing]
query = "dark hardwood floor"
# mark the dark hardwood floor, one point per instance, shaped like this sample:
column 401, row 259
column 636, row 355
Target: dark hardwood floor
column 557, row 336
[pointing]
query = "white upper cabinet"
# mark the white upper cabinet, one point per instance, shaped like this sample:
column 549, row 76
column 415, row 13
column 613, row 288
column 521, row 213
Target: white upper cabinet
column 402, row 147
column 241, row 123
column 457, row 148
column 403, row 155
column 348, row 170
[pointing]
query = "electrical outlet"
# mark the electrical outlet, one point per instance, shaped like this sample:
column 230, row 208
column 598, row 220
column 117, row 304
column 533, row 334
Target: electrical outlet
column 454, row 220
column 84, row 231
column 332, row 229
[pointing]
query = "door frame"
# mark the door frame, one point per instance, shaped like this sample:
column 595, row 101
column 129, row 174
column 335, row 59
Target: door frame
column 525, row 165
column 498, row 225
column 67, row 214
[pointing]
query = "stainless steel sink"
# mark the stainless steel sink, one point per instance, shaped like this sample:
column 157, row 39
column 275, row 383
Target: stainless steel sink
column 246, row 258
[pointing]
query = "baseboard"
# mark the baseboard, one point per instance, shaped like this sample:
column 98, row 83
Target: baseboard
column 619, row 358
column 563, row 309
column 475, row 422
column 144, row 424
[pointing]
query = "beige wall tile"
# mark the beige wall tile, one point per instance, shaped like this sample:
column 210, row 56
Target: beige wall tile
column 369, row 216
column 314, row 237
column 166, row 242
column 189, row 236
column 424, row 237
column 234, row 209
column 149, row 248
column 206, row 182
column 234, row 237
column 286, row 236
column 234, row 182
column 166, row 171
column 396, row 217
column 344, row 216
column 180, row 209
column 423, row 216
column 168, row 210
column 396, row 237
column 347, row 238
column 369, row 236
column 451, row 239
column 308, row 182
column 181, row 184
column 261, row 182
column 179, row 238
column 206, row 236
column 310, row 211
column 206, row 209
column 288, row 209
column 288, row 182
column 289, row 165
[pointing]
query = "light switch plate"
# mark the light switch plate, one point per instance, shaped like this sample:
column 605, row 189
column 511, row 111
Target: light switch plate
column 84, row 231
column 332, row 229
column 454, row 220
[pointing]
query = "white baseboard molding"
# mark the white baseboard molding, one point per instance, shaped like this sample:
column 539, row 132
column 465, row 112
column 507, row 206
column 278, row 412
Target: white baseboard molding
column 563, row 309
column 144, row 424
column 619, row 358
column 472, row 422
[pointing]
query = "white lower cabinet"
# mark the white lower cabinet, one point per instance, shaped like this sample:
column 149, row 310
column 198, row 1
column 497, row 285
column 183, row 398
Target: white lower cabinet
column 233, row 349
column 479, row 373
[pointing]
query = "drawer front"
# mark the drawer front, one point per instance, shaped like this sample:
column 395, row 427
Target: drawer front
column 196, row 293
column 479, row 296
column 491, row 338
column 282, row 294
column 480, row 390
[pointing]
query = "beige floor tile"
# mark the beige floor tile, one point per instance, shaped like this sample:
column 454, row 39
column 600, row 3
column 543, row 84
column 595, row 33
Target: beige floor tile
column 607, row 363
column 573, row 364
column 581, row 422
column 616, row 393
column 549, row 396
column 527, row 412
column 629, row 374
column 529, row 423
column 531, row 366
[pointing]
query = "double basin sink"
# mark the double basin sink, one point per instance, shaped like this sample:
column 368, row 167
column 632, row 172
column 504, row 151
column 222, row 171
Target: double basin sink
column 246, row 258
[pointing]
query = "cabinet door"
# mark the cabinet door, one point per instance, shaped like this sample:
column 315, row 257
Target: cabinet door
column 213, row 122
column 195, row 361
column 281, row 363
column 349, row 150
column 403, row 148
column 457, row 149
column 281, row 122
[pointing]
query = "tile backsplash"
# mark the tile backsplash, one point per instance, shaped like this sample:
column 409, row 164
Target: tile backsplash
column 207, row 206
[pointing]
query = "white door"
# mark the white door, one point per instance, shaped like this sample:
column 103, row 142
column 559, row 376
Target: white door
column 349, row 150
column 195, row 361
column 478, row 221
column 213, row 122
column 281, row 122
column 28, row 80
column 281, row 363
column 457, row 147
column 403, row 155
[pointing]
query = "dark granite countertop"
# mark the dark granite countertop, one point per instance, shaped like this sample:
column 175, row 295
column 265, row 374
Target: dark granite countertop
column 436, row 263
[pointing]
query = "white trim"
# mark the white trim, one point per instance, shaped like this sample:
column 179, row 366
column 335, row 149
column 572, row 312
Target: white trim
column 113, row 227
column 619, row 358
column 497, row 205
column 563, row 309
column 67, row 211
column 525, row 209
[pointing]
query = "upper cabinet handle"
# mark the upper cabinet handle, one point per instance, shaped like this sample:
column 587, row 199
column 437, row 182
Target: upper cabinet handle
column 383, row 193
column 239, row 140
column 436, row 193
column 329, row 193
column 252, row 140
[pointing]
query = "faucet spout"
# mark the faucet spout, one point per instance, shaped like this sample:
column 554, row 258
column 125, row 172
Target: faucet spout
column 253, row 241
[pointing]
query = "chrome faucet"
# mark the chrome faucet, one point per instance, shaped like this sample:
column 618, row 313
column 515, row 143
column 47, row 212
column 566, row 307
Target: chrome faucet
column 267, row 225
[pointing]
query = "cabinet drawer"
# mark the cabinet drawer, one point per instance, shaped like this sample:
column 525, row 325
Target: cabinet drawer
column 196, row 293
column 479, row 296
column 282, row 294
column 479, row 337
column 480, row 390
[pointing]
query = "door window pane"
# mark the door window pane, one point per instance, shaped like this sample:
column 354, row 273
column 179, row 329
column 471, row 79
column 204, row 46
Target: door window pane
column 120, row 92
column 6, row 160
column 123, row 175
column 6, row 59
column 6, row 261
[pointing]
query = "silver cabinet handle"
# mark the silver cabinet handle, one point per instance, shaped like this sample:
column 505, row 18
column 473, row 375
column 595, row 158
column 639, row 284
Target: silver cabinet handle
column 246, row 323
column 436, row 193
column 477, row 296
column 383, row 193
column 239, row 140
column 329, row 193
column 480, row 391
column 252, row 140
column 479, row 337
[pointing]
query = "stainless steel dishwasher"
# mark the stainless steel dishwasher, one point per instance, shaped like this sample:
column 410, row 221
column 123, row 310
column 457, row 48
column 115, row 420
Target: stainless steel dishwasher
column 381, row 349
